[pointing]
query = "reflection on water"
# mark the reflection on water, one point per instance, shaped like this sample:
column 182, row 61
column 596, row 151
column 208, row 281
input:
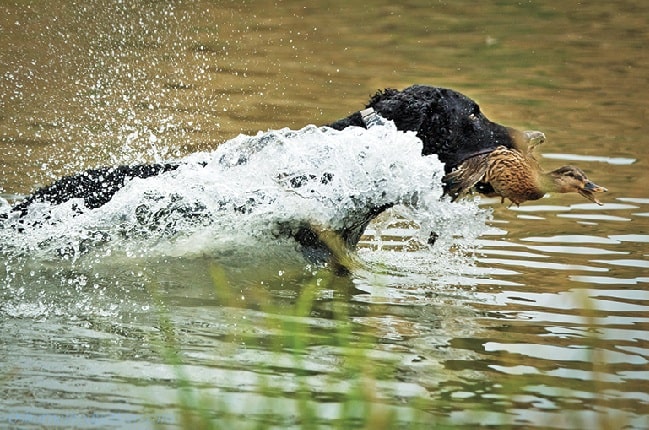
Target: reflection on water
column 542, row 323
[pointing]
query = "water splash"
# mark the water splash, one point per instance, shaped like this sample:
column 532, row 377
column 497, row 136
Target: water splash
column 249, row 194
column 254, row 187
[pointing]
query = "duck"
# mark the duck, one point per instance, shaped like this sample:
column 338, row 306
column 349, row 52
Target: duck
column 516, row 175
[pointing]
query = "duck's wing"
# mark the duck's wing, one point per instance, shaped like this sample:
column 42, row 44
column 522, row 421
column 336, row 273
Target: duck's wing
column 459, row 181
column 533, row 139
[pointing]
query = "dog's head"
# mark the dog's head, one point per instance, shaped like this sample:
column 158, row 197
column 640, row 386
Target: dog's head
column 450, row 124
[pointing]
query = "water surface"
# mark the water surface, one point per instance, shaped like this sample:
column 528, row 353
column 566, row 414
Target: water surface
column 533, row 316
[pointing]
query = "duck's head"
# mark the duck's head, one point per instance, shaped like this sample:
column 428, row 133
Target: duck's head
column 571, row 179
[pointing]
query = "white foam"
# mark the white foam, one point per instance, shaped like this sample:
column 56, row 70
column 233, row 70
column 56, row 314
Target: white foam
column 254, row 188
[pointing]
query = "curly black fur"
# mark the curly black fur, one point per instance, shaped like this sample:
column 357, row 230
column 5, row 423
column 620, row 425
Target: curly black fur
column 450, row 125
column 95, row 186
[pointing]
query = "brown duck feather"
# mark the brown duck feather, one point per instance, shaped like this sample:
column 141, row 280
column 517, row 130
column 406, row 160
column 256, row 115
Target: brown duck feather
column 460, row 181
column 516, row 176
column 513, row 175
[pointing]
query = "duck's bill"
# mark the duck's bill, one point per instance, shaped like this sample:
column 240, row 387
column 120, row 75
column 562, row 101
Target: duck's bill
column 591, row 188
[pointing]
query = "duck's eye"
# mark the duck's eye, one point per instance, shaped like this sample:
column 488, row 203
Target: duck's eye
column 575, row 176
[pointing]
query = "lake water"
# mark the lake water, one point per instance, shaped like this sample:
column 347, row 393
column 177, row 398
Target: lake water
column 530, row 316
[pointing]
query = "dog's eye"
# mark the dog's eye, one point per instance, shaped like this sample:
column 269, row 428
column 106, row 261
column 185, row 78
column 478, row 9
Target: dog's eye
column 473, row 117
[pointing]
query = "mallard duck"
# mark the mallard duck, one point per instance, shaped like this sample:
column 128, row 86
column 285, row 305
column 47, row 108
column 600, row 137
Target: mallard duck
column 517, row 176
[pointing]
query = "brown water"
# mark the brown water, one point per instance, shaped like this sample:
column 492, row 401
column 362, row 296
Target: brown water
column 550, row 328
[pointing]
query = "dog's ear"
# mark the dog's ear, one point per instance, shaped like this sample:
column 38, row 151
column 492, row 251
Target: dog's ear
column 433, row 126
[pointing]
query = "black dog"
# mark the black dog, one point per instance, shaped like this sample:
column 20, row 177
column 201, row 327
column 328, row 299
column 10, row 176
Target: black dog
column 450, row 125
